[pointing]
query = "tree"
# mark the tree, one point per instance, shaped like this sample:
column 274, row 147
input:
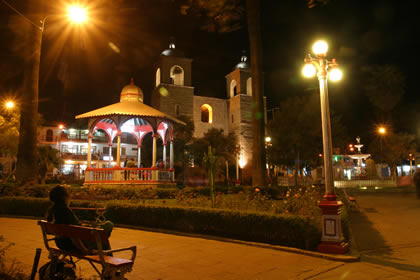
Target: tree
column 223, row 145
column 395, row 148
column 183, row 135
column 48, row 159
column 384, row 87
column 31, row 37
column 296, row 130
column 9, row 132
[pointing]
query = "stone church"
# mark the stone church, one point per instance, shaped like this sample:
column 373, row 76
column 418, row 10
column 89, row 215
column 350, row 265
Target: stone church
column 174, row 95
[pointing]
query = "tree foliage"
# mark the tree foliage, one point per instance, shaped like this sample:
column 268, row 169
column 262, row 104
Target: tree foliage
column 223, row 146
column 296, row 127
column 384, row 86
column 9, row 132
column 393, row 148
column 48, row 159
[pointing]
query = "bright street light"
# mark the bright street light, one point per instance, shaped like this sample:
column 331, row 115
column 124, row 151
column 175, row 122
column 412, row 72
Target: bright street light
column 320, row 48
column 268, row 139
column 10, row 104
column 381, row 130
column 335, row 74
column 309, row 70
column 332, row 238
column 77, row 14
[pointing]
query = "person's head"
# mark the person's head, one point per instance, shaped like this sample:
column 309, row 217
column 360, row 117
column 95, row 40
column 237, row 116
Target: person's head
column 59, row 194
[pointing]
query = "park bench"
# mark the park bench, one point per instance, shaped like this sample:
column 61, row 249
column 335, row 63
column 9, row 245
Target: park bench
column 351, row 201
column 112, row 267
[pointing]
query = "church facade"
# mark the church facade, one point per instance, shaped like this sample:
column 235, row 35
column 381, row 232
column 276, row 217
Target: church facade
column 174, row 95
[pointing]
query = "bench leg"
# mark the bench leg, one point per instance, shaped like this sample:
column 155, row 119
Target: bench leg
column 115, row 274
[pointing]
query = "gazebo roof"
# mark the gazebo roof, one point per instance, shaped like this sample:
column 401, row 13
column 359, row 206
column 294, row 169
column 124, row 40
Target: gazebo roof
column 128, row 108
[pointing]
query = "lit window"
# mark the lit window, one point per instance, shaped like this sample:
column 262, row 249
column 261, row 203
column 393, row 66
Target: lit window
column 233, row 88
column 206, row 113
column 177, row 75
column 249, row 86
column 158, row 77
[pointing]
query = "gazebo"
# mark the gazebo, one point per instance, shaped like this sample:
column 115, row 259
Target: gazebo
column 131, row 116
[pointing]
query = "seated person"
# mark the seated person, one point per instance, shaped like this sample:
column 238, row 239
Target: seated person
column 60, row 213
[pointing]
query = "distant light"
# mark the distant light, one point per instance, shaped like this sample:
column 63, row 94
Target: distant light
column 61, row 126
column 350, row 145
column 335, row 74
column 77, row 14
column 320, row 48
column 114, row 47
column 382, row 130
column 320, row 155
column 242, row 162
column 10, row 104
column 69, row 162
column 309, row 70
column 268, row 139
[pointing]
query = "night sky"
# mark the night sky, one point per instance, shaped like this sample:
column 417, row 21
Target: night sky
column 81, row 69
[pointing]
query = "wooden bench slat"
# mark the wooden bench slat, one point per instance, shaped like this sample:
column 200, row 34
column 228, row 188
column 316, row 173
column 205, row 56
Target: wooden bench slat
column 110, row 260
column 73, row 231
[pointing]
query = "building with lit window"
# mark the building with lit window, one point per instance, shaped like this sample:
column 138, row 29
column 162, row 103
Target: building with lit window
column 174, row 95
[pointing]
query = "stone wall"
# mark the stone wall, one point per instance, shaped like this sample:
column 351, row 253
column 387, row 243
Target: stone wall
column 166, row 96
column 219, row 118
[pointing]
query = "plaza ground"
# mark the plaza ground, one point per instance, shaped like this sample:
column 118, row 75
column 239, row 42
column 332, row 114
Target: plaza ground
column 386, row 231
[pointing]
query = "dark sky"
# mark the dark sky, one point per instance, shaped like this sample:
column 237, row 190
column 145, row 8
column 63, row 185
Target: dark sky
column 81, row 72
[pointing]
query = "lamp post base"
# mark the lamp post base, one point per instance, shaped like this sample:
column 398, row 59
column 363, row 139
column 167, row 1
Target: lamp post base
column 332, row 237
column 333, row 247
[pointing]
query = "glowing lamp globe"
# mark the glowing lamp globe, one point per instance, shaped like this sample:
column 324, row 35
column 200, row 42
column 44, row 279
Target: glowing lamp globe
column 335, row 74
column 268, row 139
column 382, row 130
column 77, row 14
column 309, row 70
column 320, row 48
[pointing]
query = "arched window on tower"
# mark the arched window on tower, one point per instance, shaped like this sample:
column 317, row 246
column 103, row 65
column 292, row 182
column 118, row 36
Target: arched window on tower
column 249, row 86
column 177, row 75
column 233, row 88
column 158, row 77
column 206, row 113
column 49, row 135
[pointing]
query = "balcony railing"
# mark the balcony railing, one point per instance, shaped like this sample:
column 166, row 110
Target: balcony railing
column 119, row 175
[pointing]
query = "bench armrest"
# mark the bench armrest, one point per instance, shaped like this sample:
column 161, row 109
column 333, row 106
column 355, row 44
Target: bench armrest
column 133, row 250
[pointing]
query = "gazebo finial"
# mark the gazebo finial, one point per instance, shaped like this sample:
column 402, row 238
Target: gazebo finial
column 131, row 81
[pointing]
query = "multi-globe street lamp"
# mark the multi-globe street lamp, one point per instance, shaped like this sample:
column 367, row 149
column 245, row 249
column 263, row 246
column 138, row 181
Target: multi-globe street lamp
column 332, row 240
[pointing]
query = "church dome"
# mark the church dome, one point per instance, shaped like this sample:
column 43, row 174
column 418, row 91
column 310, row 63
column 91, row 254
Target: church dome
column 131, row 92
column 243, row 64
column 172, row 51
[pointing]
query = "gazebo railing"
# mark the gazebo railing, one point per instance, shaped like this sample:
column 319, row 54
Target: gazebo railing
column 119, row 175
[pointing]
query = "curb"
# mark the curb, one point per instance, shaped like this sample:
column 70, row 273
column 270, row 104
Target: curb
column 340, row 258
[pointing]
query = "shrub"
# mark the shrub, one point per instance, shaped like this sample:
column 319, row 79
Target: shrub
column 286, row 230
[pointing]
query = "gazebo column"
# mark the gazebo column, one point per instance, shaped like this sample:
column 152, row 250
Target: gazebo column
column 89, row 155
column 164, row 155
column 110, row 154
column 154, row 151
column 171, row 159
column 118, row 148
column 138, row 156
column 171, row 154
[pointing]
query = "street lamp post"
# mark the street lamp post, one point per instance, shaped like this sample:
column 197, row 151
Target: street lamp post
column 382, row 132
column 26, row 156
column 332, row 240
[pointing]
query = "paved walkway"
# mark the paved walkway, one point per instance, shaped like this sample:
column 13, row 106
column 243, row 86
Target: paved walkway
column 165, row 256
column 387, row 230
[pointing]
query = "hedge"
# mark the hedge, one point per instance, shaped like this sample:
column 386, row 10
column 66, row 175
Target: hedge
column 285, row 230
